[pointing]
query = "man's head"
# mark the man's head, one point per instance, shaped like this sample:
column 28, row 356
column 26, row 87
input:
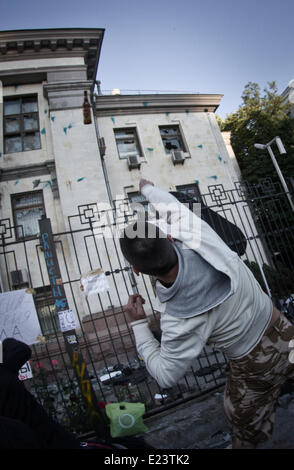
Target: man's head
column 148, row 249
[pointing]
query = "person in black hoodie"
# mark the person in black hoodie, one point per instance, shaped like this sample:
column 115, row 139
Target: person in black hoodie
column 21, row 409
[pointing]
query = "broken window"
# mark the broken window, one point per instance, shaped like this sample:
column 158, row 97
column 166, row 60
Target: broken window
column 27, row 208
column 171, row 138
column 127, row 142
column 47, row 312
column 21, row 124
column 138, row 198
column 191, row 190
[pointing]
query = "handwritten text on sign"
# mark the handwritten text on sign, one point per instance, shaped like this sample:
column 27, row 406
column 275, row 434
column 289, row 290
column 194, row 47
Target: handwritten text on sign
column 67, row 320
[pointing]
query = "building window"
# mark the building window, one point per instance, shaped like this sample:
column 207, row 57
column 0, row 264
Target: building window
column 127, row 142
column 191, row 190
column 137, row 198
column 172, row 138
column 21, row 124
column 46, row 309
column 27, row 209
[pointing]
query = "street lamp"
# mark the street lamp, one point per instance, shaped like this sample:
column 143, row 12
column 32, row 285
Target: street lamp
column 282, row 151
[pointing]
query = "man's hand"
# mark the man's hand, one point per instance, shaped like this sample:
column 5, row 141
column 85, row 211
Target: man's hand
column 143, row 183
column 134, row 308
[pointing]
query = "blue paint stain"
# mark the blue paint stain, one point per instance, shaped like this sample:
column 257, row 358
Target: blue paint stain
column 66, row 128
column 196, row 181
column 46, row 111
column 80, row 179
column 150, row 149
column 200, row 146
column 52, row 118
column 16, row 182
column 43, row 131
column 167, row 113
column 48, row 183
column 187, row 111
column 145, row 104
column 113, row 120
column 220, row 158
column 213, row 177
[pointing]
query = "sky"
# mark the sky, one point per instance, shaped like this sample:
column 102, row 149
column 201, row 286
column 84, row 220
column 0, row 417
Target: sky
column 207, row 46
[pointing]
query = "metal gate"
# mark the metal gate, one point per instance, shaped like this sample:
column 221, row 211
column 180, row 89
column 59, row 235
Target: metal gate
column 110, row 366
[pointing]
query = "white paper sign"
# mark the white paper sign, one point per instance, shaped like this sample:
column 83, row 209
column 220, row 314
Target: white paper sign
column 18, row 317
column 67, row 320
column 25, row 372
column 95, row 282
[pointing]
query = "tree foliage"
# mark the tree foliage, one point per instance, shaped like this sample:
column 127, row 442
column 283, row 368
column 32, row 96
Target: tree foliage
column 259, row 119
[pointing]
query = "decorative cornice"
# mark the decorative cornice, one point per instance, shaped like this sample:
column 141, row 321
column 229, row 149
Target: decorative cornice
column 45, row 43
column 30, row 171
column 107, row 105
column 68, row 86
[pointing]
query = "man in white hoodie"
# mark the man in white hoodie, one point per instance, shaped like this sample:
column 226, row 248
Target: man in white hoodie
column 207, row 295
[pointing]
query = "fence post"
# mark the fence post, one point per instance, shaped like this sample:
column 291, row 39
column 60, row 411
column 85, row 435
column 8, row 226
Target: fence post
column 98, row 419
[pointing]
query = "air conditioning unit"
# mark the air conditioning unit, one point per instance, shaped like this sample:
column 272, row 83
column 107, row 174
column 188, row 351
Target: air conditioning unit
column 19, row 278
column 178, row 157
column 134, row 162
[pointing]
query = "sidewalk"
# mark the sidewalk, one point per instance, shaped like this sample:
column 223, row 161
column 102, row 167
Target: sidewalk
column 200, row 424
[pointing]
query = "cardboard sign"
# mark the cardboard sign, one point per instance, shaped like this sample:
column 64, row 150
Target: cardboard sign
column 94, row 282
column 18, row 317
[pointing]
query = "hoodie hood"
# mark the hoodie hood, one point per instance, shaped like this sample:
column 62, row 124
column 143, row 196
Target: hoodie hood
column 15, row 354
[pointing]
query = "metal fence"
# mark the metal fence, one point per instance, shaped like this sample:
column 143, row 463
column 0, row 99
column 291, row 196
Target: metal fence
column 108, row 365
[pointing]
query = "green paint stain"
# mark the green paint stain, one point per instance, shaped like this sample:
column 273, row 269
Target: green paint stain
column 43, row 131
column 200, row 146
column 150, row 149
column 80, row 179
column 16, row 182
column 220, row 158
column 113, row 120
column 52, row 118
column 167, row 113
column 65, row 130
column 214, row 177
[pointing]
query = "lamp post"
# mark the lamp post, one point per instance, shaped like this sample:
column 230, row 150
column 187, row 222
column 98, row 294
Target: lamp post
column 282, row 151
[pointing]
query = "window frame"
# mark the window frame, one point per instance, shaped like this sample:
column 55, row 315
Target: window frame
column 45, row 300
column 136, row 137
column 14, row 210
column 142, row 200
column 22, row 132
column 179, row 135
column 188, row 186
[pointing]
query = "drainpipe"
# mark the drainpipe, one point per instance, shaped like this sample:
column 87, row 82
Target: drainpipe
column 93, row 101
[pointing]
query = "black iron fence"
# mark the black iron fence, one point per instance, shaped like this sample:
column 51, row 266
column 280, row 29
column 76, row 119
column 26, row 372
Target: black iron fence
column 96, row 362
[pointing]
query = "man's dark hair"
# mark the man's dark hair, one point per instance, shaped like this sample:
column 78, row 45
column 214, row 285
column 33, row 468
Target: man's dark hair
column 147, row 248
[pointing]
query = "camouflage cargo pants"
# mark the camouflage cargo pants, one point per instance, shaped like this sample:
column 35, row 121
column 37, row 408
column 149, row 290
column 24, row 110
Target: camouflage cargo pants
column 254, row 383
